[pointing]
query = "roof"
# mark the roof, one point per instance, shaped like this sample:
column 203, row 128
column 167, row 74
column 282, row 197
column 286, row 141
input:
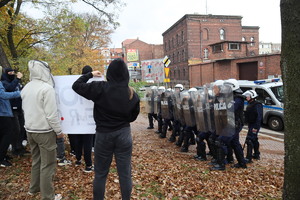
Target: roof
column 226, row 41
column 128, row 41
column 250, row 27
column 197, row 16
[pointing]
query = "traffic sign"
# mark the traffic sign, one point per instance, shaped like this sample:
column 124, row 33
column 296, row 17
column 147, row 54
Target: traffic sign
column 149, row 66
column 166, row 61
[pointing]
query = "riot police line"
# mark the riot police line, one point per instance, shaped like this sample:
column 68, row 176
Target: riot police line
column 211, row 113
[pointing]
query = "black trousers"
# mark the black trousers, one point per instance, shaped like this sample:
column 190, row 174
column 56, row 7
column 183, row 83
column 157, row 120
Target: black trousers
column 84, row 142
column 5, row 135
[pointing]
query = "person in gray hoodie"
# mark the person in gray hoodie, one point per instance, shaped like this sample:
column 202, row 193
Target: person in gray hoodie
column 43, row 127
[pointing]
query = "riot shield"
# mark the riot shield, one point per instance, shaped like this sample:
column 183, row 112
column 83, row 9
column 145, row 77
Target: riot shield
column 199, row 107
column 209, row 107
column 165, row 112
column 224, row 110
column 187, row 108
column 151, row 101
column 178, row 115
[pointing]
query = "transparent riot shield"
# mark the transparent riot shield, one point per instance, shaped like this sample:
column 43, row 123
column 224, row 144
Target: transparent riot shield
column 209, row 107
column 178, row 114
column 165, row 105
column 199, row 107
column 224, row 111
column 147, row 98
column 154, row 101
column 187, row 108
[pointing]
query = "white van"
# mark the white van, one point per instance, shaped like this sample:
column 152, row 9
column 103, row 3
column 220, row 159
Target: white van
column 270, row 94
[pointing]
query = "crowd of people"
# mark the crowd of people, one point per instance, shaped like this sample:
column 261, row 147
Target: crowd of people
column 30, row 114
column 212, row 115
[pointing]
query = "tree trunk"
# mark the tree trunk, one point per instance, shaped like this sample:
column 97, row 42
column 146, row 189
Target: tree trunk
column 290, row 63
column 3, row 58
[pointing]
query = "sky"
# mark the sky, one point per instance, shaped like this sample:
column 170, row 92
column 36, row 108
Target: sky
column 148, row 19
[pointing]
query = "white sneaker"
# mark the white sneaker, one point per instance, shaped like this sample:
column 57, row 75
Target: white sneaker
column 64, row 162
column 58, row 197
column 93, row 150
column 9, row 148
column 24, row 143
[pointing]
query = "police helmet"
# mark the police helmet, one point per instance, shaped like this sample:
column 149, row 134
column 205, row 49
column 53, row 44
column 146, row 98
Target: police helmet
column 251, row 93
column 162, row 89
column 154, row 88
column 234, row 84
column 180, row 86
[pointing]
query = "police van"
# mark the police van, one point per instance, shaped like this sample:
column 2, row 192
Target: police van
column 270, row 94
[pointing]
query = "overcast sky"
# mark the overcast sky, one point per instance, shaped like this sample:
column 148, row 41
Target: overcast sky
column 148, row 19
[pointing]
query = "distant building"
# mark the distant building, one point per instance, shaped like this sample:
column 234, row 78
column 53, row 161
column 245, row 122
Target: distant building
column 269, row 48
column 135, row 51
column 196, row 39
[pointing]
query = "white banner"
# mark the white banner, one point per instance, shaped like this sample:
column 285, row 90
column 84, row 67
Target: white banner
column 76, row 112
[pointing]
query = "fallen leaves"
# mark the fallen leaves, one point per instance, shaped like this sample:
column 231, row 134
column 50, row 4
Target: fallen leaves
column 159, row 171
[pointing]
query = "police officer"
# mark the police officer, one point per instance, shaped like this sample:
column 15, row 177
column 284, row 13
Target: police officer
column 151, row 114
column 223, row 142
column 166, row 112
column 161, row 90
column 253, row 116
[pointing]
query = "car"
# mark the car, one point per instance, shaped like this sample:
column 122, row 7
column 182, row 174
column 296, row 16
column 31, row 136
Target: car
column 270, row 94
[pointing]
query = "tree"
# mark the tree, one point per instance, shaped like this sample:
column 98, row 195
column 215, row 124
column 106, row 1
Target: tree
column 18, row 45
column 290, row 62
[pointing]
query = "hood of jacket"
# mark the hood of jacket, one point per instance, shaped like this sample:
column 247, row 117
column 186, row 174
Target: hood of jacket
column 6, row 77
column 40, row 70
column 118, row 72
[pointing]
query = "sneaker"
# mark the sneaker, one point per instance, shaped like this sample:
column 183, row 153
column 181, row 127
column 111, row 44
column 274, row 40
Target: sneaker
column 64, row 162
column 78, row 162
column 58, row 197
column 72, row 153
column 5, row 163
column 24, row 143
column 93, row 149
column 88, row 169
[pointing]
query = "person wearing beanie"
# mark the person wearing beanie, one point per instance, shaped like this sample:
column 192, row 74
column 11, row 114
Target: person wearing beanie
column 115, row 106
column 84, row 141
column 5, row 122
column 12, row 82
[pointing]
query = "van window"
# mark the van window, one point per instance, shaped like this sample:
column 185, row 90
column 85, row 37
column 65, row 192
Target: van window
column 278, row 92
column 262, row 94
column 244, row 89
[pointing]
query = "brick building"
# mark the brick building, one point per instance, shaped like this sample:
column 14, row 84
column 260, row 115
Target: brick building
column 200, row 39
column 135, row 51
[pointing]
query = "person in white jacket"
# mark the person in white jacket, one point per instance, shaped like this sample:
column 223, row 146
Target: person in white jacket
column 43, row 127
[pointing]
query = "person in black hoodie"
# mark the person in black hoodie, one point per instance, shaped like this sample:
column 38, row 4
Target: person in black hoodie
column 115, row 106
column 12, row 82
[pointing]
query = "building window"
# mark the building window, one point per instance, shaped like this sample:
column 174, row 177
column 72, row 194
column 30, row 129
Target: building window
column 243, row 39
column 234, row 46
column 205, row 34
column 217, row 48
column 174, row 74
column 169, row 44
column 205, row 53
column 222, row 34
column 183, row 73
column 252, row 41
column 182, row 36
column 166, row 46
column 178, row 56
column 178, row 74
column 177, row 39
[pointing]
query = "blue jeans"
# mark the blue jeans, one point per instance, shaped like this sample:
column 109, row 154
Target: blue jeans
column 60, row 148
column 107, row 145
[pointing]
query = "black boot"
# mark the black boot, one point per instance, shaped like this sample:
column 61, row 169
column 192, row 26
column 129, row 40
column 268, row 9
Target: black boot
column 256, row 154
column 180, row 139
column 164, row 131
column 201, row 151
column 186, row 144
column 220, row 158
column 249, row 151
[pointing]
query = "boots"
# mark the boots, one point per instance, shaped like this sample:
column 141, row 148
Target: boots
column 201, row 151
column 256, row 154
column 220, row 157
column 163, row 132
column 249, row 151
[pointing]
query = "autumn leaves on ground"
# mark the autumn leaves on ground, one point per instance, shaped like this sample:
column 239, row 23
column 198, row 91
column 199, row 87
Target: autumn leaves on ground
column 160, row 171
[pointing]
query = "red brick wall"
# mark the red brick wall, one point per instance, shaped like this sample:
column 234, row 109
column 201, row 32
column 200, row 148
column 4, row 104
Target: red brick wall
column 209, row 72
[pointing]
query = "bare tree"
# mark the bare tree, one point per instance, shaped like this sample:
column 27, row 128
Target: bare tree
column 290, row 63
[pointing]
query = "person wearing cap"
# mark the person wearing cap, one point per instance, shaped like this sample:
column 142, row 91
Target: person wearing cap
column 253, row 116
column 5, row 122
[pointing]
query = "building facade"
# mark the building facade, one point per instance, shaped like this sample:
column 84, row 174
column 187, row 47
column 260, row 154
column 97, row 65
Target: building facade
column 196, row 39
